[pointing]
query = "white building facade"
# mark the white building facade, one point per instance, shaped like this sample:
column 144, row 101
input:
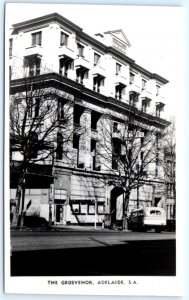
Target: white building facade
column 102, row 83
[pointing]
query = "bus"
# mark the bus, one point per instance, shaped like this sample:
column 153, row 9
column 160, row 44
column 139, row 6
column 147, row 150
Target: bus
column 147, row 218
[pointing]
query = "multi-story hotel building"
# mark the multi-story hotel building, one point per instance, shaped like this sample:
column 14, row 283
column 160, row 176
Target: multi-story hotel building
column 100, row 81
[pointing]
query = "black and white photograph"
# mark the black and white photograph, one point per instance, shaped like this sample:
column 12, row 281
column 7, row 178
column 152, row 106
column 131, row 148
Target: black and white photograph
column 92, row 95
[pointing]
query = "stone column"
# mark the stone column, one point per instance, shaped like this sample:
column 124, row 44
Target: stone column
column 104, row 157
column 68, row 134
column 85, row 139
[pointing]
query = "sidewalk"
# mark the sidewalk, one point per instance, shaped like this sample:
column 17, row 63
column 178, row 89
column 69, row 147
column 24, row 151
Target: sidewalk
column 70, row 228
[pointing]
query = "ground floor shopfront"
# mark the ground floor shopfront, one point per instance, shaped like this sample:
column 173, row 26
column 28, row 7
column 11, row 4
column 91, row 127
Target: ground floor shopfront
column 73, row 196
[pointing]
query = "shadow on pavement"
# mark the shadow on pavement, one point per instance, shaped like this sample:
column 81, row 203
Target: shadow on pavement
column 134, row 258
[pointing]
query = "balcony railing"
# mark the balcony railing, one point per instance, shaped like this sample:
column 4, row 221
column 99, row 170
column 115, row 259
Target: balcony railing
column 64, row 50
column 119, row 79
column 33, row 50
column 99, row 70
column 146, row 94
column 134, row 88
column 81, row 61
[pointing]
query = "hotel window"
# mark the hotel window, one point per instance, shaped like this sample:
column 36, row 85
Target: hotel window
column 59, row 149
column 76, row 149
column 133, row 98
column 32, row 64
column 116, row 152
column 33, row 107
column 36, row 38
column 81, row 74
column 97, row 83
column 157, row 90
column 33, row 145
column 10, row 47
column 143, row 84
column 95, row 116
column 63, row 39
column 60, row 109
column 158, row 111
column 115, row 127
column 119, row 91
column 37, row 103
column 132, row 78
column 159, row 108
column 93, row 153
column 118, row 69
column 77, row 113
column 96, row 59
column 145, row 104
column 142, row 157
column 80, row 50
column 65, row 64
column 76, row 141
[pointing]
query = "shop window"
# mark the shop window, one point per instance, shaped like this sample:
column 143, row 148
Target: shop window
column 83, row 209
column 76, row 208
column 100, row 208
column 91, row 209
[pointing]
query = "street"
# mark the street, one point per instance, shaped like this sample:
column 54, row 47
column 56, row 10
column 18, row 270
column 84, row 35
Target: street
column 92, row 253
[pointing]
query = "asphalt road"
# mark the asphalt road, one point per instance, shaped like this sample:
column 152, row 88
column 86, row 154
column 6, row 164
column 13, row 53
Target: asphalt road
column 92, row 253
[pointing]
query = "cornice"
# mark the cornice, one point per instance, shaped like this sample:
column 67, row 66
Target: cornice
column 128, row 109
column 148, row 73
column 120, row 55
column 92, row 41
column 82, row 93
column 55, row 17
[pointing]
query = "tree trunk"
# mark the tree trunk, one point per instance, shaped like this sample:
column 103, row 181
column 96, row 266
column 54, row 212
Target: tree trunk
column 17, row 219
column 125, row 210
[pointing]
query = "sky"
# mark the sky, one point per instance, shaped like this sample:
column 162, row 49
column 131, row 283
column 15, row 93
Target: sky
column 155, row 33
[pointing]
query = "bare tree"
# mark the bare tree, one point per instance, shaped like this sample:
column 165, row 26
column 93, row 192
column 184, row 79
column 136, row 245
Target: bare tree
column 168, row 161
column 41, row 129
column 129, row 151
